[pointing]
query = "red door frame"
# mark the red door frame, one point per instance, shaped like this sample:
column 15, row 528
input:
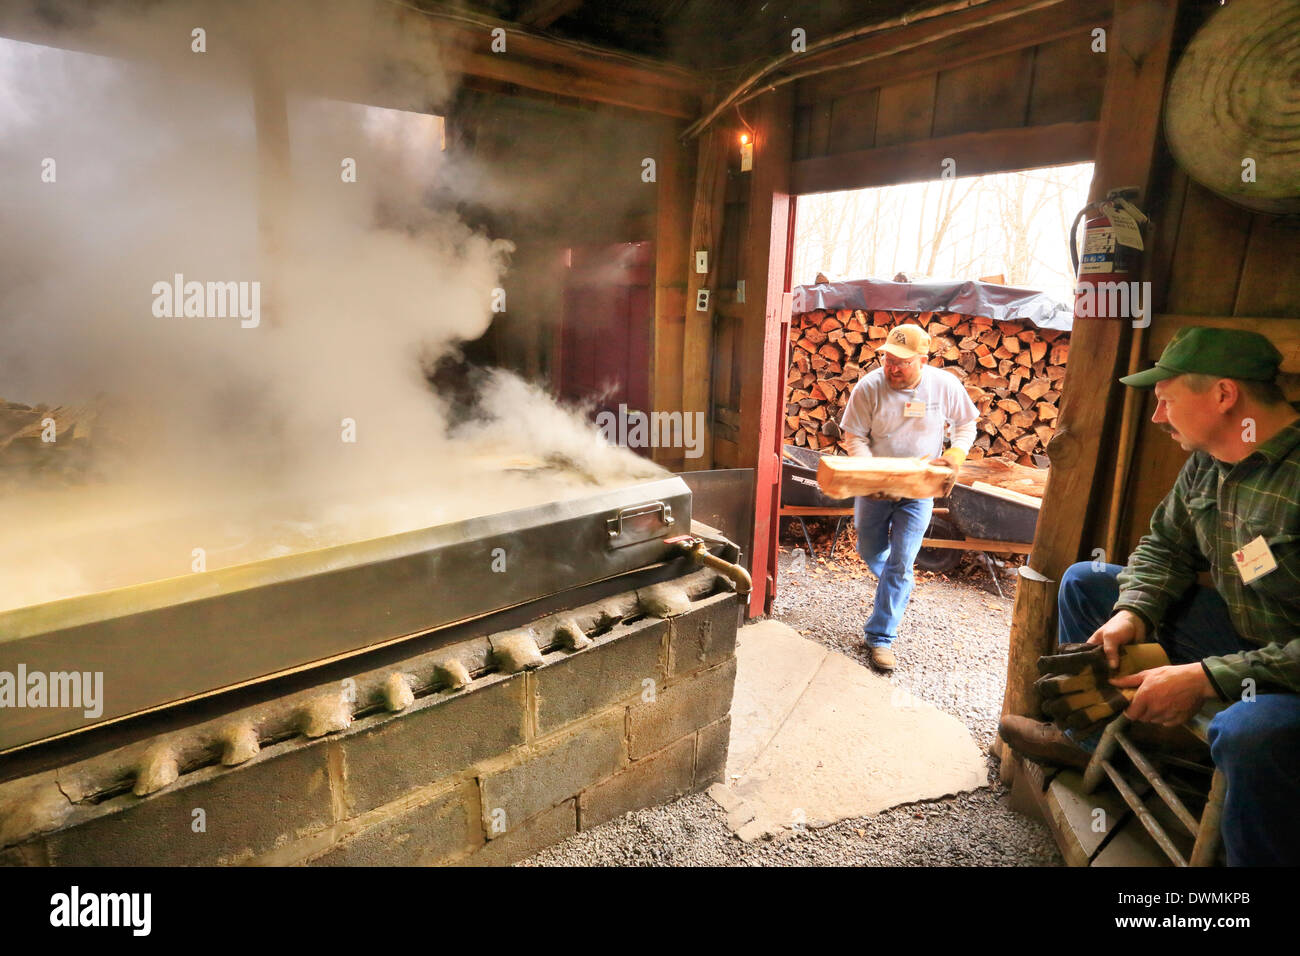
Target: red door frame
column 767, row 477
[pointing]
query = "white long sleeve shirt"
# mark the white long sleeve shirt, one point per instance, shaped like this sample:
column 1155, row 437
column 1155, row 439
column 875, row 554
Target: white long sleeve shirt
column 910, row 422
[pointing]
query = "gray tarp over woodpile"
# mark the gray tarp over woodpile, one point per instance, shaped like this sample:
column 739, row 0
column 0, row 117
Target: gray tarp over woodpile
column 999, row 302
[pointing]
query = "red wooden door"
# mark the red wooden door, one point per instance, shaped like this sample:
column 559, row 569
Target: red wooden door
column 603, row 353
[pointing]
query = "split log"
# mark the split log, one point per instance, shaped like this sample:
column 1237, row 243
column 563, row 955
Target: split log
column 898, row 477
column 993, row 471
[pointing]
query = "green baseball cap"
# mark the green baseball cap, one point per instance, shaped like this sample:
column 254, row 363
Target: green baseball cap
column 1226, row 353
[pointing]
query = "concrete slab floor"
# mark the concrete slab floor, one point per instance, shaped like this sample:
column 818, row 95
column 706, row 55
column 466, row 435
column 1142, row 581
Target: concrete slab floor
column 818, row 738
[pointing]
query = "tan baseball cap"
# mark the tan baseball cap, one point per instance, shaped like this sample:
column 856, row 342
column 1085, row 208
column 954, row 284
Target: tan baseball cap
column 907, row 341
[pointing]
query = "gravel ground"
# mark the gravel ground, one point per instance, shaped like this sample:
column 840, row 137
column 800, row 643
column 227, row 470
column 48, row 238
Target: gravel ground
column 952, row 652
column 952, row 642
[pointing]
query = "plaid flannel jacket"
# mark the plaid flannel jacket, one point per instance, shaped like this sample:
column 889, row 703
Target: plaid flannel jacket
column 1214, row 510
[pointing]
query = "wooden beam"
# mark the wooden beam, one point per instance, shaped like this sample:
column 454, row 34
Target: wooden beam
column 976, row 544
column 1139, row 58
column 706, row 236
column 274, row 182
column 994, row 151
column 765, row 263
column 540, row 14
column 676, row 174
column 562, row 67
column 429, row 45
column 632, row 91
column 978, row 42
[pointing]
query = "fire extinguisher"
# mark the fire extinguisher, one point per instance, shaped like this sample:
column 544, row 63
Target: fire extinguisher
column 1112, row 251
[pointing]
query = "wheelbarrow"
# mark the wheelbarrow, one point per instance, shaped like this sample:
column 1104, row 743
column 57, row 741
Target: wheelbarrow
column 978, row 518
column 801, row 497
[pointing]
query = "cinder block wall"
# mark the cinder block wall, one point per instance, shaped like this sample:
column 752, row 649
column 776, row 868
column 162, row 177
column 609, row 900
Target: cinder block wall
column 485, row 774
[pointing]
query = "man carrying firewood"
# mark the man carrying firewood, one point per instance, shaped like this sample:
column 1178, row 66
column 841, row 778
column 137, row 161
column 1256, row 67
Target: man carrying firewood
column 899, row 411
column 1233, row 517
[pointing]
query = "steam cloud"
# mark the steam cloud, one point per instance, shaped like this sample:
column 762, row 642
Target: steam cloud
column 229, row 438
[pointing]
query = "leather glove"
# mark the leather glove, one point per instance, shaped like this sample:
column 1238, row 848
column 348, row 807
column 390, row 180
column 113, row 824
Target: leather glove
column 1075, row 687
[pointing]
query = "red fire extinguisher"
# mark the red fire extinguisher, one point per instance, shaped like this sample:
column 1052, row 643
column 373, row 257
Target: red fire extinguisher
column 1112, row 254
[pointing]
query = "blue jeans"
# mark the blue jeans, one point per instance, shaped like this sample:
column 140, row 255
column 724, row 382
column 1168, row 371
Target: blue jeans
column 1256, row 742
column 889, row 537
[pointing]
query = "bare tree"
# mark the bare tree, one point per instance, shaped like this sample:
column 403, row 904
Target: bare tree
column 1013, row 223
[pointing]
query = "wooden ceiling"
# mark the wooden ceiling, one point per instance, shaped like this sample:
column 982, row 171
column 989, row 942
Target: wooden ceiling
column 701, row 34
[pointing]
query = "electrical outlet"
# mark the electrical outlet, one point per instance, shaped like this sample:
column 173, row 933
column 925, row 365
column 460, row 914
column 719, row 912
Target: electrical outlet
column 702, row 301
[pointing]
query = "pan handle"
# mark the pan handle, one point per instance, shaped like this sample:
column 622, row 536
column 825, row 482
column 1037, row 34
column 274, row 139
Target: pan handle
column 639, row 517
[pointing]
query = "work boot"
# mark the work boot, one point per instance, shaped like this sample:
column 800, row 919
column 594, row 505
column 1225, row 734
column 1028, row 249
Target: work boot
column 883, row 658
column 1041, row 742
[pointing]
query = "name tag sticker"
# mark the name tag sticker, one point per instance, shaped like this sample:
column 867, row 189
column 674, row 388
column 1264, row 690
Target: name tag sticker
column 913, row 410
column 1254, row 560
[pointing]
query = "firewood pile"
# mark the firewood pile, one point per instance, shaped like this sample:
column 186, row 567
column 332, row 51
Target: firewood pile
column 1011, row 370
column 44, row 443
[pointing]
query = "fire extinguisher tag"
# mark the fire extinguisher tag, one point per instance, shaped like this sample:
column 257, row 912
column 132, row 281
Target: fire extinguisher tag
column 1125, row 229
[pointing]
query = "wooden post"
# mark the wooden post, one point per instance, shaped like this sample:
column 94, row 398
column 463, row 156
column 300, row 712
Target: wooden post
column 1138, row 45
column 1035, row 602
column 672, row 236
column 766, row 262
column 706, row 235
column 1128, row 432
column 271, row 117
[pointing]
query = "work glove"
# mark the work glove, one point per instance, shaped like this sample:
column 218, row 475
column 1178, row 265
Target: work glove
column 1075, row 687
column 949, row 482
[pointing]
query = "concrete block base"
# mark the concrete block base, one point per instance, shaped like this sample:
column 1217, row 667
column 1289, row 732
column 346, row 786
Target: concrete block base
column 483, row 773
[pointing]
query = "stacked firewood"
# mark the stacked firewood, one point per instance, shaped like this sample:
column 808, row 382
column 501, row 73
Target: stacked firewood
column 1011, row 370
column 40, row 442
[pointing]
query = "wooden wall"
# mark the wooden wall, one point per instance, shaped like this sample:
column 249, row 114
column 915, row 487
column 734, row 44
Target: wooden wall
column 1227, row 266
column 548, row 175
column 895, row 118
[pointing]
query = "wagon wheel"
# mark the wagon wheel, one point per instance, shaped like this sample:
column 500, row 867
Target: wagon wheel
column 940, row 560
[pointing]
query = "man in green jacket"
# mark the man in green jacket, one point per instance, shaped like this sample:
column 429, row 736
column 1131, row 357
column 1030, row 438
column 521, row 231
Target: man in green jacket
column 1233, row 516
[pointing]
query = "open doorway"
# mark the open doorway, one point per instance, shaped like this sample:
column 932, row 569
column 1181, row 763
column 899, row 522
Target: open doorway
column 982, row 265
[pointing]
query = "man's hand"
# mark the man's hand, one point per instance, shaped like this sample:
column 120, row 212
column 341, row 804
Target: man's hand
column 1124, row 628
column 1167, row 695
column 951, row 480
